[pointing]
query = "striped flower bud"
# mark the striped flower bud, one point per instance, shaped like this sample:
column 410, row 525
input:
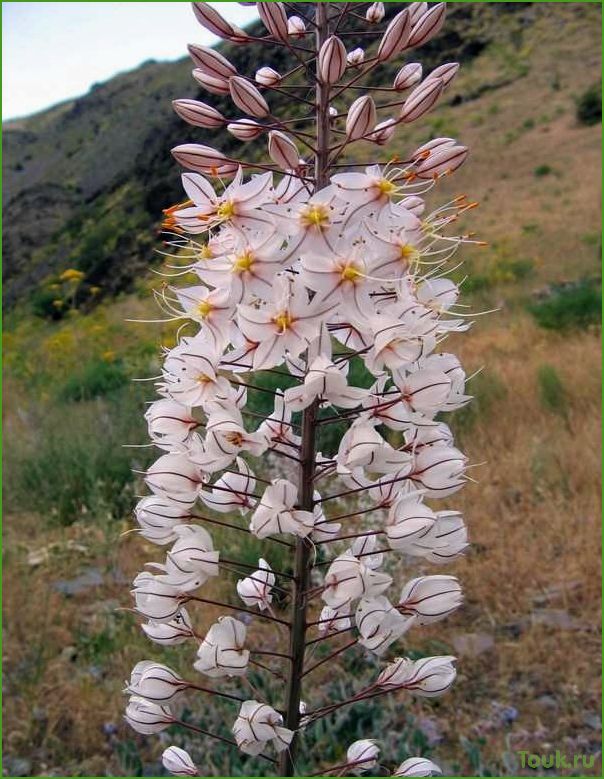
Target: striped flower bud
column 209, row 18
column 245, row 129
column 178, row 762
column 421, row 100
column 155, row 682
column 408, row 76
column 430, row 598
column 443, row 161
column 395, row 38
column 361, row 117
column 267, row 77
column 274, row 18
column 332, row 60
column 197, row 113
column 247, row 97
column 428, row 25
column 445, row 72
column 197, row 157
column 282, row 150
column 216, row 85
column 383, row 132
column 375, row 13
column 355, row 57
column 174, row 476
column 296, row 27
column 211, row 61
column 363, row 754
column 416, row 11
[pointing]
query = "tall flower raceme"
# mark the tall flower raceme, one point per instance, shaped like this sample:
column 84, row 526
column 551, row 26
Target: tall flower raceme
column 310, row 271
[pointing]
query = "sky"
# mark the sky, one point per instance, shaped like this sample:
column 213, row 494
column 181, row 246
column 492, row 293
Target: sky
column 55, row 51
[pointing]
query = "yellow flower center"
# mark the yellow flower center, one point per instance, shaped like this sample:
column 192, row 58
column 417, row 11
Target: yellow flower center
column 204, row 308
column 202, row 378
column 283, row 321
column 243, row 261
column 408, row 252
column 386, row 187
column 315, row 216
column 350, row 273
column 226, row 210
column 205, row 253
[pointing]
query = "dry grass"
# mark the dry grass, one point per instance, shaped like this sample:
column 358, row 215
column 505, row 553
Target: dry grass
column 533, row 513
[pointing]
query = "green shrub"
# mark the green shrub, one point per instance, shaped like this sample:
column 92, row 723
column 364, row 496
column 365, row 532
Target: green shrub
column 45, row 304
column 551, row 390
column 589, row 105
column 97, row 379
column 575, row 306
column 542, row 170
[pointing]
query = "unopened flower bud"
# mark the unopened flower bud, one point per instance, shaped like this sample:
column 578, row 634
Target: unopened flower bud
column 154, row 599
column 417, row 766
column 395, row 38
column 355, row 57
column 446, row 73
column 428, row 25
column 416, row 11
column 408, row 76
column 442, row 161
column 174, row 476
column 159, row 516
column 383, row 132
column 274, row 18
column 333, row 113
column 209, row 18
column 147, row 717
column 217, row 85
column 245, row 129
column 375, row 13
column 211, row 61
column 361, row 118
column 332, row 60
column 178, row 762
column 421, row 100
column 296, row 27
column 430, row 598
column 267, row 77
column 247, row 97
column 282, row 150
column 222, row 651
column 363, row 754
column 198, row 113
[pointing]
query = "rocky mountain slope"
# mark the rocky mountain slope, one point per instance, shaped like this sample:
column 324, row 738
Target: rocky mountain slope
column 85, row 181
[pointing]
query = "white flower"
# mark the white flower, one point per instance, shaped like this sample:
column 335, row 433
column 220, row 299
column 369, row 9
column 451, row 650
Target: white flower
column 324, row 380
column 287, row 324
column 355, row 57
column 232, row 491
column 334, row 620
column 362, row 755
column 174, row 477
column 158, row 517
column 347, row 579
column 155, row 599
column 375, row 13
column 439, row 470
column 146, row 717
column 363, row 447
column 267, row 77
column 409, row 522
column 155, row 682
column 192, row 559
column 379, row 623
column 430, row 598
column 171, row 633
column 178, row 762
column 276, row 513
column 222, row 652
column 417, row 766
column 296, row 27
column 255, row 590
column 258, row 724
column 428, row 677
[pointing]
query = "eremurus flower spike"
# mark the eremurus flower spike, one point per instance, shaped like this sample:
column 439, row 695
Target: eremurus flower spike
column 305, row 271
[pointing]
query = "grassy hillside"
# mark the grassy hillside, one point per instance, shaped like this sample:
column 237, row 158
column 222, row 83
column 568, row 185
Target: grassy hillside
column 528, row 636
